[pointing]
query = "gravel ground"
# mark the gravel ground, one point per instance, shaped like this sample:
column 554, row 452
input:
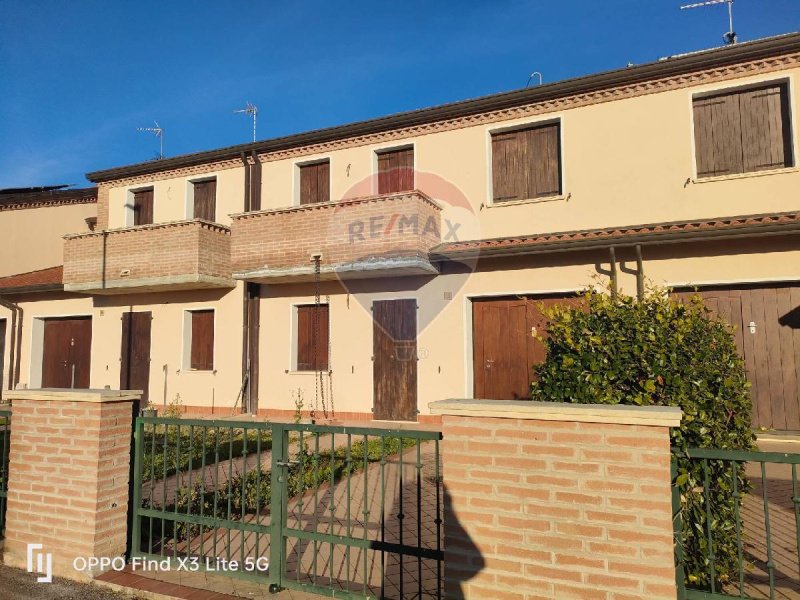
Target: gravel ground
column 16, row 584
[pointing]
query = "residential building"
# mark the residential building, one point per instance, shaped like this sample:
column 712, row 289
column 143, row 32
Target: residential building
column 378, row 266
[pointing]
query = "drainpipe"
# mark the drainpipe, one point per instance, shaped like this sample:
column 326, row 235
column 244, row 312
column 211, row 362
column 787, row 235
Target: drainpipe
column 613, row 257
column 255, row 200
column 245, row 301
column 16, row 342
column 639, row 273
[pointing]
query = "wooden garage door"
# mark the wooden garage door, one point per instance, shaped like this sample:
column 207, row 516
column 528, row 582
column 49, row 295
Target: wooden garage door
column 66, row 356
column 771, row 349
column 505, row 347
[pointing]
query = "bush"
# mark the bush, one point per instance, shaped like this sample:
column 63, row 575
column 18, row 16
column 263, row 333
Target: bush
column 660, row 351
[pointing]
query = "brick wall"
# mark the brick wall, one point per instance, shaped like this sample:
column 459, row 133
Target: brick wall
column 404, row 224
column 177, row 252
column 560, row 509
column 68, row 475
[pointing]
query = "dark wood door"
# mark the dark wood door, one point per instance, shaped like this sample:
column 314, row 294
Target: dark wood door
column 143, row 207
column 396, row 171
column 135, row 353
column 770, row 348
column 66, row 355
column 394, row 342
column 2, row 355
column 506, row 344
column 205, row 200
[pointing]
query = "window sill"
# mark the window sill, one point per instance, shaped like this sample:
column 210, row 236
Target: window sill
column 745, row 175
column 198, row 371
column 293, row 372
column 559, row 198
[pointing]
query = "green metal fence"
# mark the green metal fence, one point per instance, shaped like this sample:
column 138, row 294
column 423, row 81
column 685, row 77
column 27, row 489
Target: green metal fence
column 5, row 444
column 755, row 553
column 339, row 511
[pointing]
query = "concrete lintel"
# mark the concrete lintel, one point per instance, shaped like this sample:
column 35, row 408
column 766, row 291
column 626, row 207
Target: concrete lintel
column 64, row 395
column 657, row 416
column 169, row 282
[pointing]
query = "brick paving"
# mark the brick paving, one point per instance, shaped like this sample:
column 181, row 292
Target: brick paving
column 373, row 516
column 782, row 528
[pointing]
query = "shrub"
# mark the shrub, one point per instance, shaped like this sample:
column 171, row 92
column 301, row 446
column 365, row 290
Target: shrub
column 660, row 351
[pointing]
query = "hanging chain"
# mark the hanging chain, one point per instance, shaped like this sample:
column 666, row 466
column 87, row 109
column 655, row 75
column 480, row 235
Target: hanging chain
column 319, row 382
column 330, row 365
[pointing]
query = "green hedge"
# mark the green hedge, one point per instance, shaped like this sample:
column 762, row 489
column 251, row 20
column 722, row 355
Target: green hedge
column 660, row 351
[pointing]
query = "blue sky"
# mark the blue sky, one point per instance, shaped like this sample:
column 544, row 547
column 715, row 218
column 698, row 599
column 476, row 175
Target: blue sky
column 78, row 77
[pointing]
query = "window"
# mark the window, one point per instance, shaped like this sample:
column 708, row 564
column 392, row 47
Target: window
column 307, row 331
column 143, row 207
column 205, row 199
column 396, row 171
column 201, row 340
column 743, row 131
column 315, row 182
column 526, row 163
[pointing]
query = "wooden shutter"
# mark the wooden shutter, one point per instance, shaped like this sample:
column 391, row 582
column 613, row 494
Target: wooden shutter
column 202, row 358
column 396, row 171
column 143, row 207
column 526, row 163
column 315, row 183
column 305, row 338
column 543, row 154
column 766, row 138
column 509, row 175
column 205, row 200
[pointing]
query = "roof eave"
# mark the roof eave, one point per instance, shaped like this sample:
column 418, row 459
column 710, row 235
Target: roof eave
column 716, row 57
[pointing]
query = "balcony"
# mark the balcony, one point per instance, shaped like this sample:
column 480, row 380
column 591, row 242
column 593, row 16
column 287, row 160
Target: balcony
column 386, row 235
column 181, row 255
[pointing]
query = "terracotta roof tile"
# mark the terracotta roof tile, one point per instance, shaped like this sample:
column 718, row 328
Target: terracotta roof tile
column 44, row 279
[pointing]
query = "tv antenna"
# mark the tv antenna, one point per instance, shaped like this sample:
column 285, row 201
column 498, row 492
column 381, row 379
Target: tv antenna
column 158, row 131
column 730, row 36
column 534, row 74
column 252, row 110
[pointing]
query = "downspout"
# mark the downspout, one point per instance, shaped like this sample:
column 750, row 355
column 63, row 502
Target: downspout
column 16, row 341
column 245, row 304
column 613, row 257
column 639, row 273
column 255, row 200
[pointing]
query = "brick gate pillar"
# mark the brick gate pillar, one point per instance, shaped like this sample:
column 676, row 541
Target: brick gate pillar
column 68, row 475
column 559, row 501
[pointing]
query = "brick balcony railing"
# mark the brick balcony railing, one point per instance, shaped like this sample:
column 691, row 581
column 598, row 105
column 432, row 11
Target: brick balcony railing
column 179, row 255
column 362, row 237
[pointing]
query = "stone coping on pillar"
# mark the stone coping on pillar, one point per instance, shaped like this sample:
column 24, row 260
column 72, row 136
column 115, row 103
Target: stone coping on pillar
column 64, row 395
column 655, row 416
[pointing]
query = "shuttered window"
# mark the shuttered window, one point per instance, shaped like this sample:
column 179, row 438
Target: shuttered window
column 396, row 171
column 306, row 332
column 315, row 183
column 743, row 131
column 205, row 200
column 143, row 207
column 526, row 163
column 202, row 357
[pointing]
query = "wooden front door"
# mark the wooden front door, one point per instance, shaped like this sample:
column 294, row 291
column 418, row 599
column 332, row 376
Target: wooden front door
column 2, row 355
column 505, row 346
column 135, row 353
column 770, row 347
column 394, row 342
column 66, row 355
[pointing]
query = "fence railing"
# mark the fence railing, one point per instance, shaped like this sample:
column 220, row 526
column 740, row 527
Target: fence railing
column 742, row 537
column 5, row 445
column 341, row 511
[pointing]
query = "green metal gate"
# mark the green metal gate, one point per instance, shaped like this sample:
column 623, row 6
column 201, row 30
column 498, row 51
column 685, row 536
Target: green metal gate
column 339, row 511
column 762, row 536
column 5, row 445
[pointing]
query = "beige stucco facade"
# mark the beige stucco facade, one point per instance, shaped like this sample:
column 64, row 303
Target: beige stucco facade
column 23, row 252
column 627, row 158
